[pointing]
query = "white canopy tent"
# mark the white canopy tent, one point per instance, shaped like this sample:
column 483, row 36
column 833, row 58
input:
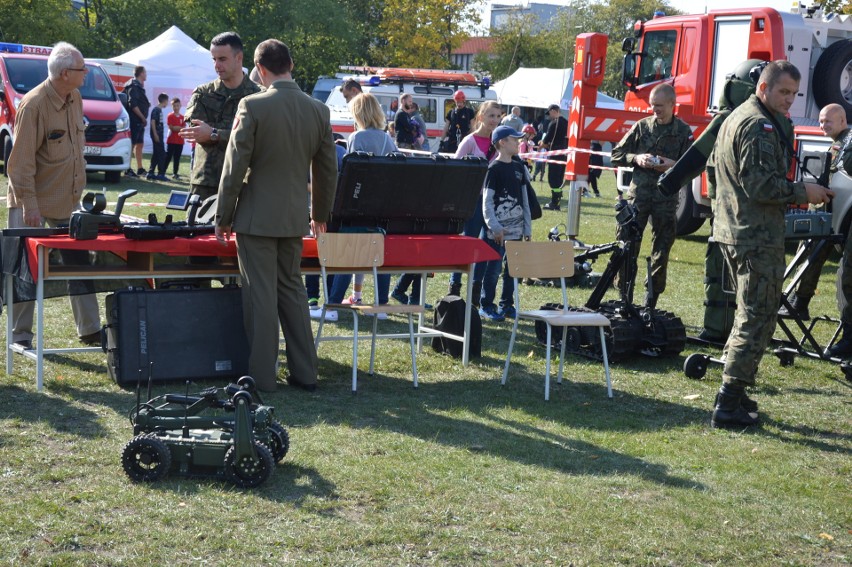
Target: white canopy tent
column 175, row 66
column 541, row 87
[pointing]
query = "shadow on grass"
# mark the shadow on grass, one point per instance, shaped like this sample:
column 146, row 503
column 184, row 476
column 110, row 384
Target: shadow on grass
column 430, row 414
column 58, row 413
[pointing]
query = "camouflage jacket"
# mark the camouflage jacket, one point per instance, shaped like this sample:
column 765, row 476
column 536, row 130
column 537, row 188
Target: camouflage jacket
column 214, row 104
column 648, row 137
column 841, row 153
column 750, row 163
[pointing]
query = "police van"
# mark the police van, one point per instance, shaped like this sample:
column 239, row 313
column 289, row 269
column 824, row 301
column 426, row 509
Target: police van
column 107, row 149
column 431, row 89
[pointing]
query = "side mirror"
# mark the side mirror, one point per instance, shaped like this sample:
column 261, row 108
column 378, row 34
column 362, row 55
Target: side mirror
column 628, row 71
column 628, row 44
column 123, row 98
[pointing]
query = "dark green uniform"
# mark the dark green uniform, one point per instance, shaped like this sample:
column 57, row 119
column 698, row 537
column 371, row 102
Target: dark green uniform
column 841, row 160
column 749, row 167
column 216, row 105
column 668, row 140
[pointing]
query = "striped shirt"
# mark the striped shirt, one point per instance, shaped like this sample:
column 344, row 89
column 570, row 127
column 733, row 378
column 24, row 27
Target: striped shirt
column 46, row 168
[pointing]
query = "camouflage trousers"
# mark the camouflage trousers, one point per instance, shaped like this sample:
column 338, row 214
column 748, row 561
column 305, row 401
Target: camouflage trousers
column 663, row 216
column 758, row 274
column 808, row 283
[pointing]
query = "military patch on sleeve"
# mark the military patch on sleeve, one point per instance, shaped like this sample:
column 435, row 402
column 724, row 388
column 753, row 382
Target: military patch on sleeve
column 236, row 122
column 768, row 127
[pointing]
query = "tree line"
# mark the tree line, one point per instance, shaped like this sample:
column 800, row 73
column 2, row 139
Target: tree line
column 324, row 34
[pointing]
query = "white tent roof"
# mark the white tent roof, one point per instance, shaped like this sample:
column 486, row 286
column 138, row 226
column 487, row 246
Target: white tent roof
column 541, row 87
column 175, row 66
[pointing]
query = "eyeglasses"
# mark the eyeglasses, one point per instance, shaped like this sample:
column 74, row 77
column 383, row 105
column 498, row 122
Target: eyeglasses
column 82, row 69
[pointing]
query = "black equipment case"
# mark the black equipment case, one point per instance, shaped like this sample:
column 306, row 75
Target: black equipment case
column 407, row 195
column 175, row 334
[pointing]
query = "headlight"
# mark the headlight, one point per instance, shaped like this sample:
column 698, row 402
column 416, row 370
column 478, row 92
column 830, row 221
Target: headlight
column 122, row 123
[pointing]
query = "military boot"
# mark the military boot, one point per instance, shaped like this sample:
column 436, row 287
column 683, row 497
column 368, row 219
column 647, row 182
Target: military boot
column 455, row 289
column 477, row 292
column 729, row 411
column 800, row 308
column 842, row 349
column 745, row 402
column 553, row 205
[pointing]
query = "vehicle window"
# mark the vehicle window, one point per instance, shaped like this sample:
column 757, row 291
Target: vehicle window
column 26, row 74
column 428, row 109
column 658, row 56
column 97, row 86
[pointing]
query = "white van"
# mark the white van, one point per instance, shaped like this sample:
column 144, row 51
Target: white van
column 432, row 95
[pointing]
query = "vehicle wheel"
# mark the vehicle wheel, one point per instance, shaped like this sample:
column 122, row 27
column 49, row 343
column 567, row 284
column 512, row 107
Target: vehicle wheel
column 247, row 472
column 834, row 73
column 279, row 441
column 7, row 151
column 146, row 458
column 686, row 223
column 112, row 176
column 695, row 366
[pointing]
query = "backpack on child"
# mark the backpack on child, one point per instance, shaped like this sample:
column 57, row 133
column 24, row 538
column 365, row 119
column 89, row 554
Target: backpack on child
column 449, row 318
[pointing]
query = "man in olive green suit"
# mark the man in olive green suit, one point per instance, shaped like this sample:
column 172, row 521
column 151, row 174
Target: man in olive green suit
column 280, row 137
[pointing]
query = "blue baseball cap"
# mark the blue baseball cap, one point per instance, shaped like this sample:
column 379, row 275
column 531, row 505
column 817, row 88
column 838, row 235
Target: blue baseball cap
column 501, row 132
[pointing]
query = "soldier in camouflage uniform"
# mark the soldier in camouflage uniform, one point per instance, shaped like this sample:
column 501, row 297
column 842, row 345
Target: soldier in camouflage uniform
column 652, row 146
column 832, row 121
column 211, row 110
column 748, row 167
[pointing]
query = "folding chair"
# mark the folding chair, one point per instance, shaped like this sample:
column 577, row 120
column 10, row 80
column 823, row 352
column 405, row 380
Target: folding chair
column 365, row 253
column 549, row 260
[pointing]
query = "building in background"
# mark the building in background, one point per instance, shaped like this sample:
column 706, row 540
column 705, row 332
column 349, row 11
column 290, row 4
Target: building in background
column 462, row 58
column 502, row 14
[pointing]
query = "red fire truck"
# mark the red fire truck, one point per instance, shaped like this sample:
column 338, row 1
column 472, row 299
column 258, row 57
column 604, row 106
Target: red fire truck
column 24, row 67
column 694, row 53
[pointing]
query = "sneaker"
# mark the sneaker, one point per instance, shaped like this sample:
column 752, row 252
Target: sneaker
column 313, row 303
column 381, row 316
column 130, row 173
column 400, row 297
column 508, row 312
column 330, row 315
column 150, row 176
column 141, row 171
column 351, row 301
column 161, row 178
column 491, row 314
column 176, row 176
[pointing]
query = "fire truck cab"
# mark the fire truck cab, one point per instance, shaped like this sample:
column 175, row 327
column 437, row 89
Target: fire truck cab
column 431, row 89
column 24, row 67
column 694, row 53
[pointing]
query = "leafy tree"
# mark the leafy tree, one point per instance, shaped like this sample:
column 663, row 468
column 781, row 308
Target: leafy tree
column 517, row 44
column 424, row 34
column 40, row 22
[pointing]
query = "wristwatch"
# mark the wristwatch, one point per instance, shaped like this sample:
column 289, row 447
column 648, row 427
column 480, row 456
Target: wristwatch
column 214, row 135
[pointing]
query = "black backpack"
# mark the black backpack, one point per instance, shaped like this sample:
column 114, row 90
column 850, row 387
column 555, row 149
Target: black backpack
column 449, row 318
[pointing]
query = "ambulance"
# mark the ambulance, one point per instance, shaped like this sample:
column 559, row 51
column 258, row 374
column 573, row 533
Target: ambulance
column 431, row 89
column 24, row 67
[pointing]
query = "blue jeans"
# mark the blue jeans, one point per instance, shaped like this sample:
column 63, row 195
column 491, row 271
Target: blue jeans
column 341, row 282
column 312, row 285
column 473, row 227
column 493, row 269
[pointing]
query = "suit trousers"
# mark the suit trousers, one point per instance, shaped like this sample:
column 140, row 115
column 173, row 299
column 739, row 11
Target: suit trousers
column 273, row 294
column 84, row 306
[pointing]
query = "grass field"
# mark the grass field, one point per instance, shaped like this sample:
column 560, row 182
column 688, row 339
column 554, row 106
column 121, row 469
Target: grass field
column 461, row 471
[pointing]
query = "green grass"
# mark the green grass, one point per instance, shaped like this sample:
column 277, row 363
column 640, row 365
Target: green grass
column 461, row 471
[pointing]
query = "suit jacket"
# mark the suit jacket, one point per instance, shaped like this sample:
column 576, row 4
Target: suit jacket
column 279, row 136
